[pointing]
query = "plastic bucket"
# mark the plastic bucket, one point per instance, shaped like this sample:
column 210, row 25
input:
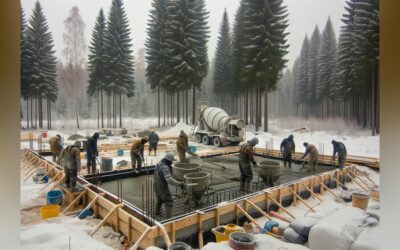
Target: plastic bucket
column 106, row 164
column 230, row 228
column 54, row 197
column 241, row 241
column 49, row 211
column 120, row 152
column 360, row 200
column 83, row 156
column 219, row 234
column 193, row 149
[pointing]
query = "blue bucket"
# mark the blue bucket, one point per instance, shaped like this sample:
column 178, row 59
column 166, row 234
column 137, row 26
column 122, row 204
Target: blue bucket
column 193, row 149
column 120, row 152
column 54, row 197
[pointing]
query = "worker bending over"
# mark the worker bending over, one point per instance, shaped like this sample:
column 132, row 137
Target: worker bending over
column 246, row 155
column 56, row 148
column 340, row 149
column 313, row 160
column 137, row 153
column 71, row 162
column 287, row 150
column 182, row 146
column 91, row 153
column 153, row 142
column 163, row 177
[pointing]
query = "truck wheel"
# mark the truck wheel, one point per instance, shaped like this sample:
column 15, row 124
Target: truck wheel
column 217, row 142
column 198, row 138
column 205, row 140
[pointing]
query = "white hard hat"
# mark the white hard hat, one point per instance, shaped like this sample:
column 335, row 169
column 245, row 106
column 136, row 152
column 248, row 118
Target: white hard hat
column 169, row 156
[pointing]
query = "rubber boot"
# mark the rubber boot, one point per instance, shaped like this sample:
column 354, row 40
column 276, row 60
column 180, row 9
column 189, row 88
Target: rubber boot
column 247, row 186
column 168, row 210
column 93, row 168
column 158, row 208
column 241, row 186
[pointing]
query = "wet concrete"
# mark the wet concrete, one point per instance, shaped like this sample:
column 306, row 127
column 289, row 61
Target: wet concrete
column 224, row 183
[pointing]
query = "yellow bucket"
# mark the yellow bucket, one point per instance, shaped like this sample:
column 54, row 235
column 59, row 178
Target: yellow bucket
column 222, row 232
column 82, row 156
column 49, row 211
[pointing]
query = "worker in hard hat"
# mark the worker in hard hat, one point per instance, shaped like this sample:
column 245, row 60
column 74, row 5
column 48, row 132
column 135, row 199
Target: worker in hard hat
column 56, row 148
column 246, row 155
column 287, row 150
column 153, row 142
column 313, row 159
column 71, row 162
column 137, row 153
column 340, row 149
column 182, row 146
column 91, row 153
column 163, row 177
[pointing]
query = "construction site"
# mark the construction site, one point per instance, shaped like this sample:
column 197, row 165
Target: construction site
column 281, row 199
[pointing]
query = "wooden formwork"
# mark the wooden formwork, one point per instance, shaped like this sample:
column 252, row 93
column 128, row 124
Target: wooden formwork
column 128, row 220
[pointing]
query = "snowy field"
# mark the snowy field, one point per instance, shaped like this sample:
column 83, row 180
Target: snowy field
column 322, row 132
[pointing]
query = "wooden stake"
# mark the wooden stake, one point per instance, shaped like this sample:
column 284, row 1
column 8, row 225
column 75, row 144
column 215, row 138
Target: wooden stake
column 164, row 233
column 302, row 200
column 248, row 216
column 200, row 229
column 258, row 209
column 313, row 194
column 327, row 189
column 52, row 179
column 284, row 209
column 105, row 219
column 74, row 201
column 144, row 234
column 355, row 181
column 173, row 232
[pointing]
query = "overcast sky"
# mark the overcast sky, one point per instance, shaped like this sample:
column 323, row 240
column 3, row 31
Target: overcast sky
column 303, row 16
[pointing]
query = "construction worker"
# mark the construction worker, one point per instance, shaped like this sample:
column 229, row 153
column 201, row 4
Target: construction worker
column 71, row 162
column 56, row 148
column 137, row 153
column 287, row 150
column 340, row 149
column 92, row 152
column 246, row 155
column 313, row 152
column 182, row 146
column 163, row 177
column 153, row 142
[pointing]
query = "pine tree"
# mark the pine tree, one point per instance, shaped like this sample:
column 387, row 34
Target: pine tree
column 315, row 45
column 326, row 60
column 302, row 74
column 41, row 60
column 366, row 23
column 266, row 44
column 345, row 76
column 119, row 67
column 96, row 62
column 186, row 39
column 223, row 61
column 156, row 48
column 25, row 88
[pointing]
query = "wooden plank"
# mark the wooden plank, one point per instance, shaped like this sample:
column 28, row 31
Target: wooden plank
column 258, row 209
column 284, row 209
column 164, row 233
column 105, row 219
column 312, row 193
column 329, row 191
column 173, row 230
column 200, row 230
column 74, row 201
column 248, row 216
column 142, row 237
column 355, row 181
column 302, row 200
column 52, row 180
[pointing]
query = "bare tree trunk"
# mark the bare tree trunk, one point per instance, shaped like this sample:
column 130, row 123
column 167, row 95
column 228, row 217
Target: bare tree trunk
column 194, row 105
column 257, row 105
column 158, row 105
column 102, row 107
column 164, row 108
column 120, row 110
column 27, row 113
column 31, row 111
column 187, row 104
column 373, row 124
column 246, row 109
column 377, row 85
column 98, row 109
column 266, row 107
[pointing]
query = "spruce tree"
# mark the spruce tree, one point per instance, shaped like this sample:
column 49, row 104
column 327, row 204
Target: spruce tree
column 41, row 60
column 119, row 67
column 326, row 61
column 25, row 88
column 345, row 75
column 266, row 44
column 97, row 61
column 302, row 74
column 156, row 48
column 315, row 45
column 223, row 61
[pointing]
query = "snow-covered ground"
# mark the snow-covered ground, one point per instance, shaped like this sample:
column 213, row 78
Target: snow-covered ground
column 358, row 142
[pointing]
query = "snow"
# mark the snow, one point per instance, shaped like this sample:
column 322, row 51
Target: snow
column 68, row 233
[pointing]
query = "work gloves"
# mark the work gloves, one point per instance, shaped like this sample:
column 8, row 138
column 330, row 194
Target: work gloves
column 183, row 186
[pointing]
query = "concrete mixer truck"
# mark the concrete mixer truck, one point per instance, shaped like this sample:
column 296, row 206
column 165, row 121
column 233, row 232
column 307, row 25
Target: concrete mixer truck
column 216, row 127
